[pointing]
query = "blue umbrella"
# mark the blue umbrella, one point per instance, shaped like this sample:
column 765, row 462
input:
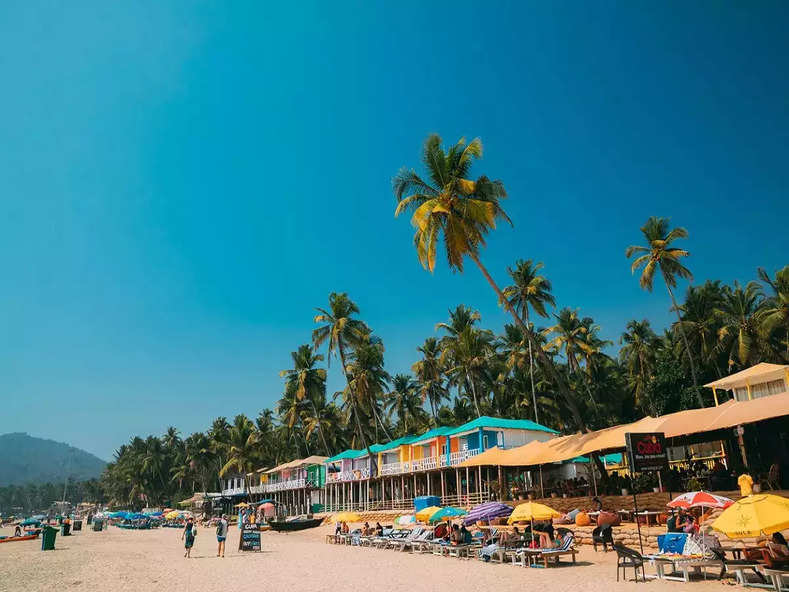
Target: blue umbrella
column 487, row 511
column 30, row 522
column 448, row 512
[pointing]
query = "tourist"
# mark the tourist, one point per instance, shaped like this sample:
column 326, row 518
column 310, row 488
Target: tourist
column 366, row 530
column 221, row 535
column 545, row 532
column 690, row 526
column 777, row 547
column 345, row 529
column 440, row 531
column 188, row 536
column 379, row 530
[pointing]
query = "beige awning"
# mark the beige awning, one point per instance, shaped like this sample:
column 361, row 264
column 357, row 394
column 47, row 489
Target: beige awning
column 762, row 372
column 682, row 423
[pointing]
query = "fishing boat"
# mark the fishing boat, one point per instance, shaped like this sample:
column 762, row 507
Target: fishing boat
column 13, row 539
column 294, row 524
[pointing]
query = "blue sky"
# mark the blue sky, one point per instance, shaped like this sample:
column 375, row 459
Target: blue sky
column 182, row 183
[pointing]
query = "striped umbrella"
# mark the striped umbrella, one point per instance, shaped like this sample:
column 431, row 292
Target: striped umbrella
column 700, row 499
column 487, row 511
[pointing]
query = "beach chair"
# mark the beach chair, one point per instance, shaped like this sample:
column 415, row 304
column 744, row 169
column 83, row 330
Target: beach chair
column 626, row 557
column 422, row 543
column 381, row 542
column 738, row 567
column 567, row 547
column 398, row 543
column 604, row 536
column 460, row 551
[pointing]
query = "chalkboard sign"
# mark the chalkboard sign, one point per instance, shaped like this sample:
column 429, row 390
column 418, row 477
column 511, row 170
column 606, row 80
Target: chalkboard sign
column 646, row 452
column 250, row 538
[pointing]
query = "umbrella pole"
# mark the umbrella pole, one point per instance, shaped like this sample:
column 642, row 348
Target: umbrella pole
column 542, row 491
column 594, row 476
column 635, row 511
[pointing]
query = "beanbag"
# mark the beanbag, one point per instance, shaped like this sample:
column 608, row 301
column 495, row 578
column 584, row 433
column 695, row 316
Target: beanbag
column 582, row 519
column 604, row 518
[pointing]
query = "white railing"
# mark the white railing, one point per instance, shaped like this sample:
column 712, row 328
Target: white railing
column 234, row 491
column 354, row 475
column 287, row 485
column 395, row 468
column 257, row 489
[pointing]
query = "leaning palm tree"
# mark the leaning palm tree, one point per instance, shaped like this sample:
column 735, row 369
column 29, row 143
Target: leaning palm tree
column 453, row 209
column 529, row 290
column 307, row 382
column 340, row 331
column 659, row 255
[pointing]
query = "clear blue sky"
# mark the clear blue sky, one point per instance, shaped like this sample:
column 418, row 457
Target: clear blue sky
column 182, row 183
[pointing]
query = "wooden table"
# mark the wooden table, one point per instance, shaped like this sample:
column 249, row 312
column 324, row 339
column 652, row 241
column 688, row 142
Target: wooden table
column 648, row 514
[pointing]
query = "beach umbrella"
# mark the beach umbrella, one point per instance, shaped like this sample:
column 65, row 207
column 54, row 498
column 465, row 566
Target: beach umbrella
column 346, row 517
column 700, row 499
column 405, row 520
column 30, row 522
column 753, row 516
column 242, row 505
column 487, row 511
column 172, row 515
column 267, row 509
column 424, row 514
column 448, row 512
column 530, row 511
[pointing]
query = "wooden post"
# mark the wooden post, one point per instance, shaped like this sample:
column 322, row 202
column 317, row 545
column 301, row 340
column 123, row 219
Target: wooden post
column 748, row 386
column 715, row 394
column 741, row 442
column 468, row 485
column 443, row 488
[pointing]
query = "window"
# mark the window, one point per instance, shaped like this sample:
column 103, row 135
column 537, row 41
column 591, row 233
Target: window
column 485, row 442
column 443, row 449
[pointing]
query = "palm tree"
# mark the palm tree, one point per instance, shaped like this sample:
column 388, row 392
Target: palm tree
column 341, row 331
column 462, row 212
column 467, row 358
column 529, row 290
column 429, row 373
column 402, row 400
column 701, row 321
column 639, row 343
column 307, row 382
column 368, row 379
column 660, row 255
column 774, row 316
column 570, row 338
column 739, row 335
column 242, row 449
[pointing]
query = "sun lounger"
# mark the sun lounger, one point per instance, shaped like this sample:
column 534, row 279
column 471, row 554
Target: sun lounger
column 418, row 544
column 399, row 543
column 381, row 542
column 545, row 555
column 459, row 551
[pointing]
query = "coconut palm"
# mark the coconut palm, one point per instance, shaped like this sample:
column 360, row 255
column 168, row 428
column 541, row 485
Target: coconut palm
column 660, row 255
column 461, row 212
column 467, row 359
column 701, row 322
column 429, row 373
column 402, row 400
column 367, row 379
column 529, row 290
column 639, row 343
column 340, row 332
column 774, row 317
column 242, row 447
column 738, row 336
column 307, row 382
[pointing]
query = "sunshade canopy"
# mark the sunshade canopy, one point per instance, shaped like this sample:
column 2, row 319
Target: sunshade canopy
column 448, row 512
column 752, row 516
column 530, row 511
column 346, row 517
column 424, row 514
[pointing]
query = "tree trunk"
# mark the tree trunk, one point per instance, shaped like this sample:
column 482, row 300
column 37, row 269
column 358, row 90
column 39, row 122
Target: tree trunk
column 473, row 394
column 353, row 399
column 531, row 369
column 687, row 346
column 547, row 363
column 320, row 428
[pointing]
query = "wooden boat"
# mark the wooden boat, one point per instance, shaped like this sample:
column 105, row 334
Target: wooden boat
column 27, row 537
column 297, row 524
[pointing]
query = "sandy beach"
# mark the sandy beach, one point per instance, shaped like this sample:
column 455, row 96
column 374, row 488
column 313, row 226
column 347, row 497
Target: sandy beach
column 125, row 560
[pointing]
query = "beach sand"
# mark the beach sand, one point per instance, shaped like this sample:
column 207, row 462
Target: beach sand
column 140, row 561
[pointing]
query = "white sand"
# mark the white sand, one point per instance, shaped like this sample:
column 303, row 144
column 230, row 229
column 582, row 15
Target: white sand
column 139, row 561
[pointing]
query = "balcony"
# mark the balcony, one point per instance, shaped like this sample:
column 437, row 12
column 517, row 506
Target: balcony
column 429, row 463
column 234, row 491
column 287, row 485
column 257, row 489
column 395, row 468
column 355, row 475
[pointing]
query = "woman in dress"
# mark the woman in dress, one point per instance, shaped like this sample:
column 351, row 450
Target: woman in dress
column 188, row 536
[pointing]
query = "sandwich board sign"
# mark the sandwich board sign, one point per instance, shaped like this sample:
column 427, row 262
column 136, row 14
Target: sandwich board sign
column 646, row 452
column 250, row 538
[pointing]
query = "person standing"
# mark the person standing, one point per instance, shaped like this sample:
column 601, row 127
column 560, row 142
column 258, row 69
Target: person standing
column 221, row 535
column 188, row 536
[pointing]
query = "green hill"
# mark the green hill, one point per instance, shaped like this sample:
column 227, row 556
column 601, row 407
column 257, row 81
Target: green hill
column 25, row 459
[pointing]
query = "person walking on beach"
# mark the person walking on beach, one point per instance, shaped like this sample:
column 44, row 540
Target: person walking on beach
column 188, row 536
column 221, row 535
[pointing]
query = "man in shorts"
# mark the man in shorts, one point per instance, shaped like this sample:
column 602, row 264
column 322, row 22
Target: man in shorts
column 221, row 535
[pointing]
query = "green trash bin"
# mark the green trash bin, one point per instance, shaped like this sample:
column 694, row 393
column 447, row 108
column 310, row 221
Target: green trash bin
column 97, row 524
column 48, row 535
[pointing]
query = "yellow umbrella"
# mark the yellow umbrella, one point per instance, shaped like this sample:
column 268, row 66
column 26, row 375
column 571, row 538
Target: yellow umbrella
column 753, row 516
column 532, row 511
column 171, row 515
column 346, row 517
column 424, row 514
column 242, row 505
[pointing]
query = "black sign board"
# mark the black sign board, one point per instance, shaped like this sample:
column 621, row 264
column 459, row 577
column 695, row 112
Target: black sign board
column 250, row 538
column 646, row 452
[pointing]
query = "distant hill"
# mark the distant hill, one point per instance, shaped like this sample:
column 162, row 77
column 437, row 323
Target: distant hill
column 25, row 459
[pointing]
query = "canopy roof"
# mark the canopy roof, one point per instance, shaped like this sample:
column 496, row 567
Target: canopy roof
column 502, row 423
column 762, row 372
column 299, row 462
column 682, row 423
column 345, row 454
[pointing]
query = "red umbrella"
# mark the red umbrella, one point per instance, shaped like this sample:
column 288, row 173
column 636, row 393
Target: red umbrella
column 700, row 499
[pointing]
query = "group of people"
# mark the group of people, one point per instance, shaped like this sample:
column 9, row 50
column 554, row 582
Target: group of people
column 682, row 521
column 189, row 534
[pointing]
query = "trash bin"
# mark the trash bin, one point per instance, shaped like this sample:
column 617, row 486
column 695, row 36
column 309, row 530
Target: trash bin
column 90, row 519
column 65, row 529
column 77, row 525
column 97, row 524
column 48, row 535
